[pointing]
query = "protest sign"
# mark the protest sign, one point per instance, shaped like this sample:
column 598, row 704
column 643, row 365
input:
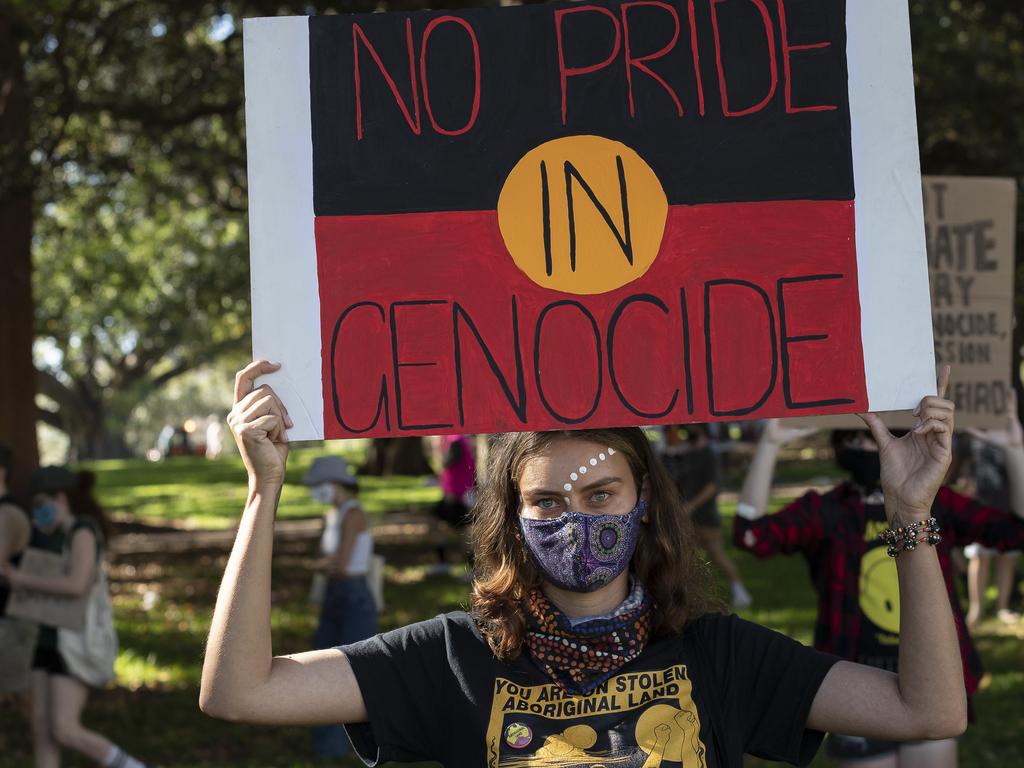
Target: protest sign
column 586, row 214
column 970, row 225
column 970, row 228
column 43, row 607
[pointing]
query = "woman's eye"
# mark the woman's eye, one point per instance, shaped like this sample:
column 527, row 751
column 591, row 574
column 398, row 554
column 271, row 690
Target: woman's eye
column 601, row 496
column 547, row 504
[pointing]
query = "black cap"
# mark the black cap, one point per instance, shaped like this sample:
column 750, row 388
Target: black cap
column 53, row 480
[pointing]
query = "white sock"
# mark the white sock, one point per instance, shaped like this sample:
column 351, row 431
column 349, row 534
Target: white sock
column 118, row 758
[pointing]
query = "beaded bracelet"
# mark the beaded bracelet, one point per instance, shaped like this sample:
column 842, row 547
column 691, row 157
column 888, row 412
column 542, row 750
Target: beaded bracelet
column 907, row 537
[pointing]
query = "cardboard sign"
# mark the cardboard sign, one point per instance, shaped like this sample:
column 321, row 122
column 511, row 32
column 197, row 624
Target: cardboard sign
column 43, row 607
column 970, row 227
column 586, row 214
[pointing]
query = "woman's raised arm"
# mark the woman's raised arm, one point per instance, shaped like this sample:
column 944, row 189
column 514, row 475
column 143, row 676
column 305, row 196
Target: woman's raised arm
column 242, row 679
column 927, row 699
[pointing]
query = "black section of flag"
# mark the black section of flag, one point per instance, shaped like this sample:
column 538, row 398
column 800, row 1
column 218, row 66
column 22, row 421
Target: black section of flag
column 371, row 156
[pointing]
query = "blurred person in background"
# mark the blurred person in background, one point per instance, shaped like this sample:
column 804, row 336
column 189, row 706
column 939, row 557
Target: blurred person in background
column 691, row 463
column 457, row 480
column 348, row 612
column 68, row 520
column 214, row 437
column 15, row 524
column 986, row 466
column 838, row 534
column 17, row 637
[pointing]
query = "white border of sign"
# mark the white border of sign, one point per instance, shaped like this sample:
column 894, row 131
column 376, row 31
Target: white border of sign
column 281, row 240
column 892, row 263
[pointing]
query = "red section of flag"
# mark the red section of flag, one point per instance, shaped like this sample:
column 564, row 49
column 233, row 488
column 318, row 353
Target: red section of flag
column 750, row 310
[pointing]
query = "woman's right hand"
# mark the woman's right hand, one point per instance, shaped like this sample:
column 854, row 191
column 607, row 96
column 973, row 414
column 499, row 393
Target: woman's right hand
column 258, row 421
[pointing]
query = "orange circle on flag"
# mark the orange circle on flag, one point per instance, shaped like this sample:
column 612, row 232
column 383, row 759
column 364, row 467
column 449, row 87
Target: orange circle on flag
column 582, row 214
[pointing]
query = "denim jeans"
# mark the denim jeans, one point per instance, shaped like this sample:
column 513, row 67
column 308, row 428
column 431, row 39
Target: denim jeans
column 348, row 614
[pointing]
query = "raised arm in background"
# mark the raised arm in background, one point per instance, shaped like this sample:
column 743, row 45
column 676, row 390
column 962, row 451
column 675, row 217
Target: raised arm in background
column 757, row 486
column 1011, row 439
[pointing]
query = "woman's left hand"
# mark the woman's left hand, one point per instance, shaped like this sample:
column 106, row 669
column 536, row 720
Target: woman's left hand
column 914, row 466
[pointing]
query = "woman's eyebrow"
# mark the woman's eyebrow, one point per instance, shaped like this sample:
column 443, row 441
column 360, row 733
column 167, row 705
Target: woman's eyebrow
column 588, row 487
column 599, row 483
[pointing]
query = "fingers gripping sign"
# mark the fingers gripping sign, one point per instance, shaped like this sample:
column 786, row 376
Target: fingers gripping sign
column 258, row 421
column 914, row 465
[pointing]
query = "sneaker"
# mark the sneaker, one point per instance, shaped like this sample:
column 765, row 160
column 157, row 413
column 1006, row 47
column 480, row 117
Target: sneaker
column 741, row 599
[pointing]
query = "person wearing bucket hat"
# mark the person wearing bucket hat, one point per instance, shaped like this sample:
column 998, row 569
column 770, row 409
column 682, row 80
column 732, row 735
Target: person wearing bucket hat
column 592, row 637
column 67, row 519
column 347, row 609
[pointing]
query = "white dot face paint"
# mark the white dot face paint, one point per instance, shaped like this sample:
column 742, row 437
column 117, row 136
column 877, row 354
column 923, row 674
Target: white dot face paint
column 574, row 476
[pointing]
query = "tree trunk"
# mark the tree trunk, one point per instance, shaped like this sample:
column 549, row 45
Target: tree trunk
column 396, row 456
column 91, row 433
column 18, row 378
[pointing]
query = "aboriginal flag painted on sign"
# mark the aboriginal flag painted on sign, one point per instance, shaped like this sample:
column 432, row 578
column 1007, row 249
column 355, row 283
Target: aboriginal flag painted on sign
column 571, row 215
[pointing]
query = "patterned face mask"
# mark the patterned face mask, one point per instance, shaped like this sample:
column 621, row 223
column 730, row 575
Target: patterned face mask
column 580, row 552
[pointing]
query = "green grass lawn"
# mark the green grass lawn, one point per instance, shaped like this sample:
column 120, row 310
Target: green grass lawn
column 196, row 493
column 163, row 605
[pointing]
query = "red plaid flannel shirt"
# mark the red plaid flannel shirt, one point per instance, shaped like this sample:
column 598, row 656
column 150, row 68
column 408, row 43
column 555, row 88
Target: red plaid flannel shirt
column 828, row 530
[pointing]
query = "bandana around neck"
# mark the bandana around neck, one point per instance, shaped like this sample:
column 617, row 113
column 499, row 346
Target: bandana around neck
column 582, row 656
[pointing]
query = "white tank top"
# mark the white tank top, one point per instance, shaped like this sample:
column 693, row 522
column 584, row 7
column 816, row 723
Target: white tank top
column 362, row 550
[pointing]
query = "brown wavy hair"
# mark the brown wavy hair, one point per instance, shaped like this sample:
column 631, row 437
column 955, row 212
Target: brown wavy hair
column 665, row 560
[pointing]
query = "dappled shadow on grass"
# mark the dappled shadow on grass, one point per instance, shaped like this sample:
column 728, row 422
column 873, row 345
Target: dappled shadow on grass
column 211, row 494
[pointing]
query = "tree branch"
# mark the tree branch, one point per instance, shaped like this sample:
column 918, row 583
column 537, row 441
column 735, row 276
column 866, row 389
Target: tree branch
column 54, row 418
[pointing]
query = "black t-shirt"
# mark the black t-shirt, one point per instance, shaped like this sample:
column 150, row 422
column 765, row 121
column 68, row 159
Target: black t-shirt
column 434, row 691
column 879, row 596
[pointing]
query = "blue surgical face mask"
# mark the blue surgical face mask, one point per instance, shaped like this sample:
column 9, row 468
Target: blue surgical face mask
column 45, row 515
column 322, row 493
column 580, row 552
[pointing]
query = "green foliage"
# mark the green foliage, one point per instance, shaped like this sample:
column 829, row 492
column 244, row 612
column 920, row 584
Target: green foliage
column 969, row 64
column 140, row 242
column 969, row 60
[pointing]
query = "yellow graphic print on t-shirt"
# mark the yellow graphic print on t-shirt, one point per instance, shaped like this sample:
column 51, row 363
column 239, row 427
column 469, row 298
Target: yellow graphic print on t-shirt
column 634, row 720
column 880, row 590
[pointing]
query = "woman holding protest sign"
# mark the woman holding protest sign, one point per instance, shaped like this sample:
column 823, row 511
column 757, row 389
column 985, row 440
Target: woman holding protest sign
column 68, row 520
column 592, row 637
